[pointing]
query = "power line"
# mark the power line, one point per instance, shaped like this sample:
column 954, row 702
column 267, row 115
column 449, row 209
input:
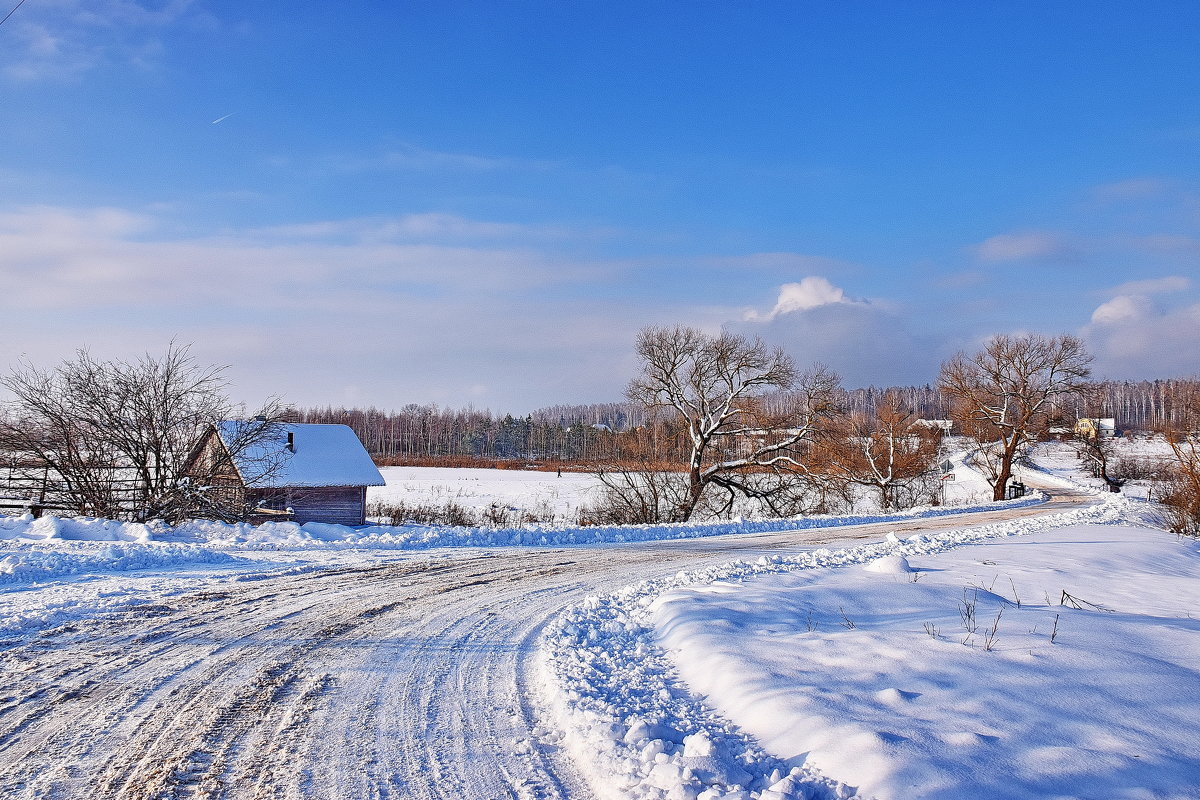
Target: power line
column 9, row 14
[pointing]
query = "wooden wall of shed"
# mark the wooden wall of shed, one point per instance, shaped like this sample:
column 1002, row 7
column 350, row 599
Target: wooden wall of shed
column 340, row 505
column 211, row 465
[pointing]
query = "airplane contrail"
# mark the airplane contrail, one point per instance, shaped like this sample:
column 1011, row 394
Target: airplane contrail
column 9, row 14
column 219, row 119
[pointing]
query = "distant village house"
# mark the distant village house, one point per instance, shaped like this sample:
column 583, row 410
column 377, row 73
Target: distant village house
column 1096, row 427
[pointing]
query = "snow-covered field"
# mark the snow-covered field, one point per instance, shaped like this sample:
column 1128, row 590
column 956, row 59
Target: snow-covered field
column 550, row 496
column 1061, row 459
column 556, row 498
column 923, row 677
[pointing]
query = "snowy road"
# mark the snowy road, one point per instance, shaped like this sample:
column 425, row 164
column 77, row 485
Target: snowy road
column 404, row 679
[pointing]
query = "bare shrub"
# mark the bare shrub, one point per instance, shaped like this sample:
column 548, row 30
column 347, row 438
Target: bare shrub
column 637, row 497
column 543, row 512
column 1180, row 498
column 497, row 515
column 992, row 634
column 449, row 513
column 966, row 611
column 1141, row 468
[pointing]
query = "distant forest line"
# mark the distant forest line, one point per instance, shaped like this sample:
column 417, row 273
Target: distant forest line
column 590, row 433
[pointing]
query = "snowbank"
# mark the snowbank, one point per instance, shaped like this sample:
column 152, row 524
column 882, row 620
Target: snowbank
column 416, row 537
column 975, row 676
column 83, row 529
column 628, row 714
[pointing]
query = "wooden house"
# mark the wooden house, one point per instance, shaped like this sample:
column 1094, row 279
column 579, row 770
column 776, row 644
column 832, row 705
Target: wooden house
column 302, row 472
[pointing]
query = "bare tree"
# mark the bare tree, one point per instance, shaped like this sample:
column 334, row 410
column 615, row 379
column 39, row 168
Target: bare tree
column 886, row 451
column 52, row 451
column 710, row 386
column 113, row 436
column 1003, row 395
column 1181, row 497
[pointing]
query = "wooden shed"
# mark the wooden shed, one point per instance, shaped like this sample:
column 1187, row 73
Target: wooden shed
column 303, row 472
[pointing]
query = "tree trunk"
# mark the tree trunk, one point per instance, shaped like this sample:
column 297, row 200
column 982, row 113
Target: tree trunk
column 1006, row 461
column 695, row 490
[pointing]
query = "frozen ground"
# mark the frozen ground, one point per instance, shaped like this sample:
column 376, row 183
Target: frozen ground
column 296, row 662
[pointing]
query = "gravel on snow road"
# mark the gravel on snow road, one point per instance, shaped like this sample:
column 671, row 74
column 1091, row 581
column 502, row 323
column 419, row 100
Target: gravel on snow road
column 401, row 680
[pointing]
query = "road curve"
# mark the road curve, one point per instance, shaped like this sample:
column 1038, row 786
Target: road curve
column 390, row 680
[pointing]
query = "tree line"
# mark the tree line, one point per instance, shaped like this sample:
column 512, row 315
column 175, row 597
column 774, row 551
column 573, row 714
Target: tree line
column 584, row 433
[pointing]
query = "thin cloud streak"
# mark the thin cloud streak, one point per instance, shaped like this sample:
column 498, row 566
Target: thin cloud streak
column 64, row 40
column 1023, row 246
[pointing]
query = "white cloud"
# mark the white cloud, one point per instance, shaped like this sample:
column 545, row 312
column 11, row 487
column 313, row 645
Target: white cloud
column 427, row 227
column 65, row 259
column 339, row 314
column 1167, row 285
column 866, row 343
column 811, row 292
column 1024, row 246
column 1133, row 301
column 1121, row 308
column 1134, row 337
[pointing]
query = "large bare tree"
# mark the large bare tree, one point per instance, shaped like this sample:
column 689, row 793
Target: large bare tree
column 709, row 386
column 1004, row 394
column 111, row 437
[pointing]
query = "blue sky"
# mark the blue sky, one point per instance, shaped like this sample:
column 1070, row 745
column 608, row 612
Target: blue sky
column 483, row 202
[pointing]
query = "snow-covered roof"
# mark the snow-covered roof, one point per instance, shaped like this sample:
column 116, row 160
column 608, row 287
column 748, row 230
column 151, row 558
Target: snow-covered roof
column 321, row 455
